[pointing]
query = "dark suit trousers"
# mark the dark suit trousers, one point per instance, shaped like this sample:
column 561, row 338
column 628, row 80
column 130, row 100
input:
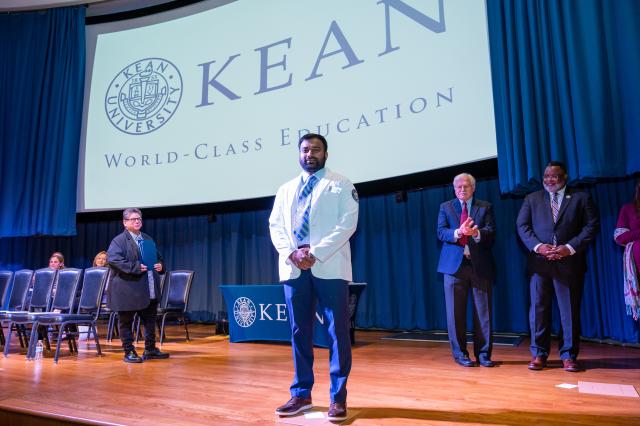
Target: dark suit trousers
column 456, row 292
column 148, row 319
column 332, row 296
column 568, row 292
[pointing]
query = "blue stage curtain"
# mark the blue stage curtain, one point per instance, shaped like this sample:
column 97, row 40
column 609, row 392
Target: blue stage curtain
column 42, row 58
column 566, row 87
column 395, row 250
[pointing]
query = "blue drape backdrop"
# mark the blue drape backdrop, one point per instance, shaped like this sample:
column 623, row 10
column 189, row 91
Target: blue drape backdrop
column 395, row 250
column 42, row 57
column 566, row 87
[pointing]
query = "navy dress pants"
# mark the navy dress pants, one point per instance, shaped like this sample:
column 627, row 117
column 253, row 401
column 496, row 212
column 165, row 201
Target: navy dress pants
column 332, row 298
column 456, row 292
column 568, row 292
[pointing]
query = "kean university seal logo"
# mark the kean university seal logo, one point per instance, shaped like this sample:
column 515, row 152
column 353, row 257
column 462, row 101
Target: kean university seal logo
column 244, row 312
column 143, row 96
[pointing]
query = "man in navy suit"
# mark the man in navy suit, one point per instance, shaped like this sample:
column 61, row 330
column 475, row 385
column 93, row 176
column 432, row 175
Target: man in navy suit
column 466, row 228
column 556, row 224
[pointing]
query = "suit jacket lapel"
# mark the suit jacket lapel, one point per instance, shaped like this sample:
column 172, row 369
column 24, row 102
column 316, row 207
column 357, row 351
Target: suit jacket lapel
column 474, row 210
column 132, row 244
column 546, row 197
column 290, row 202
column 457, row 209
column 317, row 192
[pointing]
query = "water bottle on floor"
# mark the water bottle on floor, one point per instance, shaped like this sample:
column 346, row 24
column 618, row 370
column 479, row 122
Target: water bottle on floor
column 39, row 350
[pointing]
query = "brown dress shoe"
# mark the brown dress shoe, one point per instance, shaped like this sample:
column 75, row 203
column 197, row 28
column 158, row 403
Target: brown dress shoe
column 538, row 363
column 337, row 411
column 571, row 365
column 294, row 406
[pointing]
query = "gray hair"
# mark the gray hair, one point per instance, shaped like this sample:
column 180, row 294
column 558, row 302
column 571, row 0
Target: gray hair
column 127, row 212
column 465, row 176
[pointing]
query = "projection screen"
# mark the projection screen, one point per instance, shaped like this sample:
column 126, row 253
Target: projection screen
column 206, row 103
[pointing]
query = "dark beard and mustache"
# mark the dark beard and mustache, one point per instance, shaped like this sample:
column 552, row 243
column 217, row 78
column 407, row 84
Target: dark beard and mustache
column 312, row 165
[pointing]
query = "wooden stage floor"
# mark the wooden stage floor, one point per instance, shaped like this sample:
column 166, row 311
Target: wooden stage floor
column 211, row 381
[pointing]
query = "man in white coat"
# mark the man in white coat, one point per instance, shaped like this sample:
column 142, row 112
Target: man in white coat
column 313, row 217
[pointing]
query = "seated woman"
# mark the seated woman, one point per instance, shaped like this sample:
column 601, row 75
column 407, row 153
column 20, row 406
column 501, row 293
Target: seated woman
column 56, row 260
column 627, row 234
column 100, row 259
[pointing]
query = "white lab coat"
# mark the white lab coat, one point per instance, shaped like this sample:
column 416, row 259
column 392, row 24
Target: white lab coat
column 333, row 219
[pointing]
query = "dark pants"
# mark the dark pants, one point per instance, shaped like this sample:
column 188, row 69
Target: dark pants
column 301, row 295
column 456, row 292
column 148, row 319
column 568, row 292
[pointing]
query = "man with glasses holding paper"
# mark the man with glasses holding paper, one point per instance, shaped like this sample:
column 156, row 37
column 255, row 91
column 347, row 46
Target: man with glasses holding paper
column 134, row 285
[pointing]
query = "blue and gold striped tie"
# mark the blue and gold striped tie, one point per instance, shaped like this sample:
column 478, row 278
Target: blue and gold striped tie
column 301, row 229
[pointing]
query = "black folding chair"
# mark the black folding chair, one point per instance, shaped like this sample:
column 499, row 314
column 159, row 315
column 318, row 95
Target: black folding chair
column 112, row 327
column 17, row 298
column 45, row 279
column 5, row 280
column 67, row 282
column 87, row 313
column 175, row 299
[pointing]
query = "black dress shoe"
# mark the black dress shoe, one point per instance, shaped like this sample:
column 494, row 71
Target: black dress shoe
column 154, row 354
column 337, row 411
column 132, row 357
column 465, row 361
column 294, row 406
column 485, row 361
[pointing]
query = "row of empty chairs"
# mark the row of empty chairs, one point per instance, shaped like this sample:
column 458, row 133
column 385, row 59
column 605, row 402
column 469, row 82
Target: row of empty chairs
column 175, row 288
column 53, row 310
column 51, row 306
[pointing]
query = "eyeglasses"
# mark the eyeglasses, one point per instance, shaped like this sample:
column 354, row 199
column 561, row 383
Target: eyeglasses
column 134, row 219
column 554, row 177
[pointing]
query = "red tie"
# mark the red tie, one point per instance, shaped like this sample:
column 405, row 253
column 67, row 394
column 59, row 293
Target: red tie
column 465, row 214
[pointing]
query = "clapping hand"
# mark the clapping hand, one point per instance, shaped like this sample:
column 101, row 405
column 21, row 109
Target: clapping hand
column 468, row 228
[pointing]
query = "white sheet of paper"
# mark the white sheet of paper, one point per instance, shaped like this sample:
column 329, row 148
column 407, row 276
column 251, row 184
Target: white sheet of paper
column 566, row 386
column 314, row 415
column 610, row 389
